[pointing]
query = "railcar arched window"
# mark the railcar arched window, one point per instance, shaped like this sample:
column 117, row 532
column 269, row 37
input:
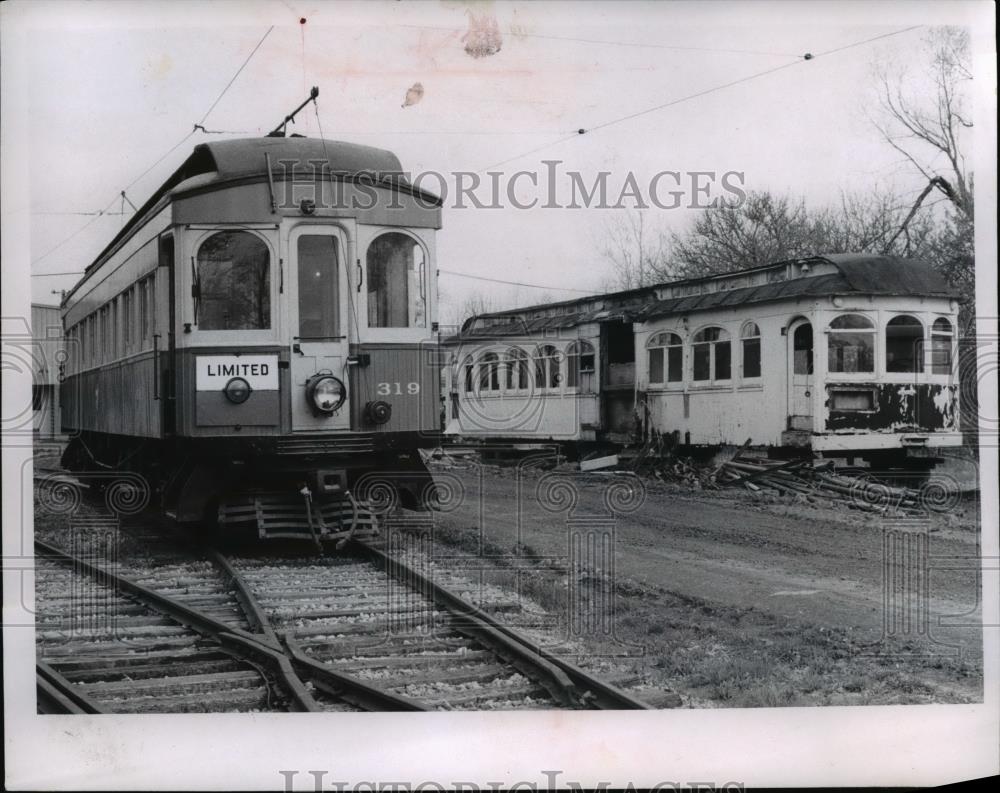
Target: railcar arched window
column 468, row 369
column 851, row 344
column 489, row 372
column 547, row 366
column 665, row 358
column 904, row 344
column 395, row 272
column 580, row 366
column 517, row 369
column 750, row 343
column 233, row 283
column 712, row 355
column 942, row 339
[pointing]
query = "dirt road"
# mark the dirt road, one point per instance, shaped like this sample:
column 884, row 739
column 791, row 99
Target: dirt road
column 737, row 577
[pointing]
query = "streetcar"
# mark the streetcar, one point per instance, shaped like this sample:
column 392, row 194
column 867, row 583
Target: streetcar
column 257, row 340
column 849, row 356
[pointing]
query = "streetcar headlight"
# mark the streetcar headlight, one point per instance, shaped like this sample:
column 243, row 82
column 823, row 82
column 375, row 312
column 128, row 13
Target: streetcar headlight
column 326, row 393
column 237, row 390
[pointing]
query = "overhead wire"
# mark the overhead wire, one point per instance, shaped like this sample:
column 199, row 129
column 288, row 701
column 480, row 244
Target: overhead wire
column 238, row 72
column 747, row 78
column 79, row 231
column 517, row 283
column 645, row 45
column 637, row 44
column 170, row 151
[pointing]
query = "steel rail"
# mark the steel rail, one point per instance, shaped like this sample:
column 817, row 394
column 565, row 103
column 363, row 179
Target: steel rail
column 245, row 645
column 57, row 695
column 348, row 688
column 567, row 682
column 331, row 682
column 301, row 698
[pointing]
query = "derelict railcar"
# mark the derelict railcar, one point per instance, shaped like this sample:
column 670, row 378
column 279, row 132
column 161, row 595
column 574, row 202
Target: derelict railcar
column 263, row 321
column 846, row 355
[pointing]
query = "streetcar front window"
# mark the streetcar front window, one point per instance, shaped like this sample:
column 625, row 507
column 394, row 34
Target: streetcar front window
column 232, row 289
column 396, row 276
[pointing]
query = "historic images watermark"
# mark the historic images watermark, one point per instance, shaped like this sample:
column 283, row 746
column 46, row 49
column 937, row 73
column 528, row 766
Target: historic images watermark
column 299, row 185
column 321, row 780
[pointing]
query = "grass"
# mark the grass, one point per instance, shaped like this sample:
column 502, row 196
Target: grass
column 730, row 657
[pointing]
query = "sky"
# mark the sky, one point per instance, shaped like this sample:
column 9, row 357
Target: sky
column 115, row 87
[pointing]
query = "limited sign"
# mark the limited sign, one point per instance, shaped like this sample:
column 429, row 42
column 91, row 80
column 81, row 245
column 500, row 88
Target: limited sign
column 214, row 371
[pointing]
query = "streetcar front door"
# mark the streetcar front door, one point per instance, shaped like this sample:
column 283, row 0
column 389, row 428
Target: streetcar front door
column 319, row 343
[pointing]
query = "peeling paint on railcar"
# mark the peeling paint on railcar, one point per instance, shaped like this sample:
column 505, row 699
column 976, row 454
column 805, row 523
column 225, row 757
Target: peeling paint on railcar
column 899, row 407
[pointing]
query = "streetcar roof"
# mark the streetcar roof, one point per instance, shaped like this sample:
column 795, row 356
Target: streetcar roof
column 851, row 273
column 224, row 161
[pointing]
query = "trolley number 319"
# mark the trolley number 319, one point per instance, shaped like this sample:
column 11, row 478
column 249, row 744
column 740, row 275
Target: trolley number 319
column 388, row 389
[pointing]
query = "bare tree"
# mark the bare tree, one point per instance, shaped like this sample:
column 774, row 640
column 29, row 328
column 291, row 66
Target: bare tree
column 927, row 127
column 636, row 252
column 474, row 304
column 763, row 229
column 768, row 228
column 870, row 222
column 930, row 128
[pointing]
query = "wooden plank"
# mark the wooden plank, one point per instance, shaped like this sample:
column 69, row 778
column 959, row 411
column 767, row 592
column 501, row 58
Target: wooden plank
column 394, row 661
column 187, row 684
column 599, row 463
column 496, row 693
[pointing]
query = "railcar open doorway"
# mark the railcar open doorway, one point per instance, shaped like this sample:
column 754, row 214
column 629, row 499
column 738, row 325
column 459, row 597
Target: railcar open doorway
column 800, row 376
column 618, row 380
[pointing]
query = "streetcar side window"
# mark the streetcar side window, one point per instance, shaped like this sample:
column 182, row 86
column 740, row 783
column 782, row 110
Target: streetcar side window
column 750, row 343
column 143, row 311
column 489, row 372
column 105, row 334
column 851, row 344
column 232, row 289
column 712, row 355
column 468, row 374
column 580, row 366
column 517, row 369
column 942, row 336
column 665, row 358
column 91, row 339
column 548, row 363
column 127, row 329
column 395, row 272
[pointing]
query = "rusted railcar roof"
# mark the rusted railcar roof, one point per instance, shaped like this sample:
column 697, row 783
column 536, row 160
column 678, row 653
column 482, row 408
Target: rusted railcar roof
column 856, row 274
column 890, row 275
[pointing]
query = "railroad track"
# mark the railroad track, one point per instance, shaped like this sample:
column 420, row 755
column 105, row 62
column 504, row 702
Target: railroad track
column 361, row 630
column 378, row 619
column 102, row 650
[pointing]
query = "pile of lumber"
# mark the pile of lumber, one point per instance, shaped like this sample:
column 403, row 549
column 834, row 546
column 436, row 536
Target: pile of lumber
column 809, row 480
column 683, row 471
